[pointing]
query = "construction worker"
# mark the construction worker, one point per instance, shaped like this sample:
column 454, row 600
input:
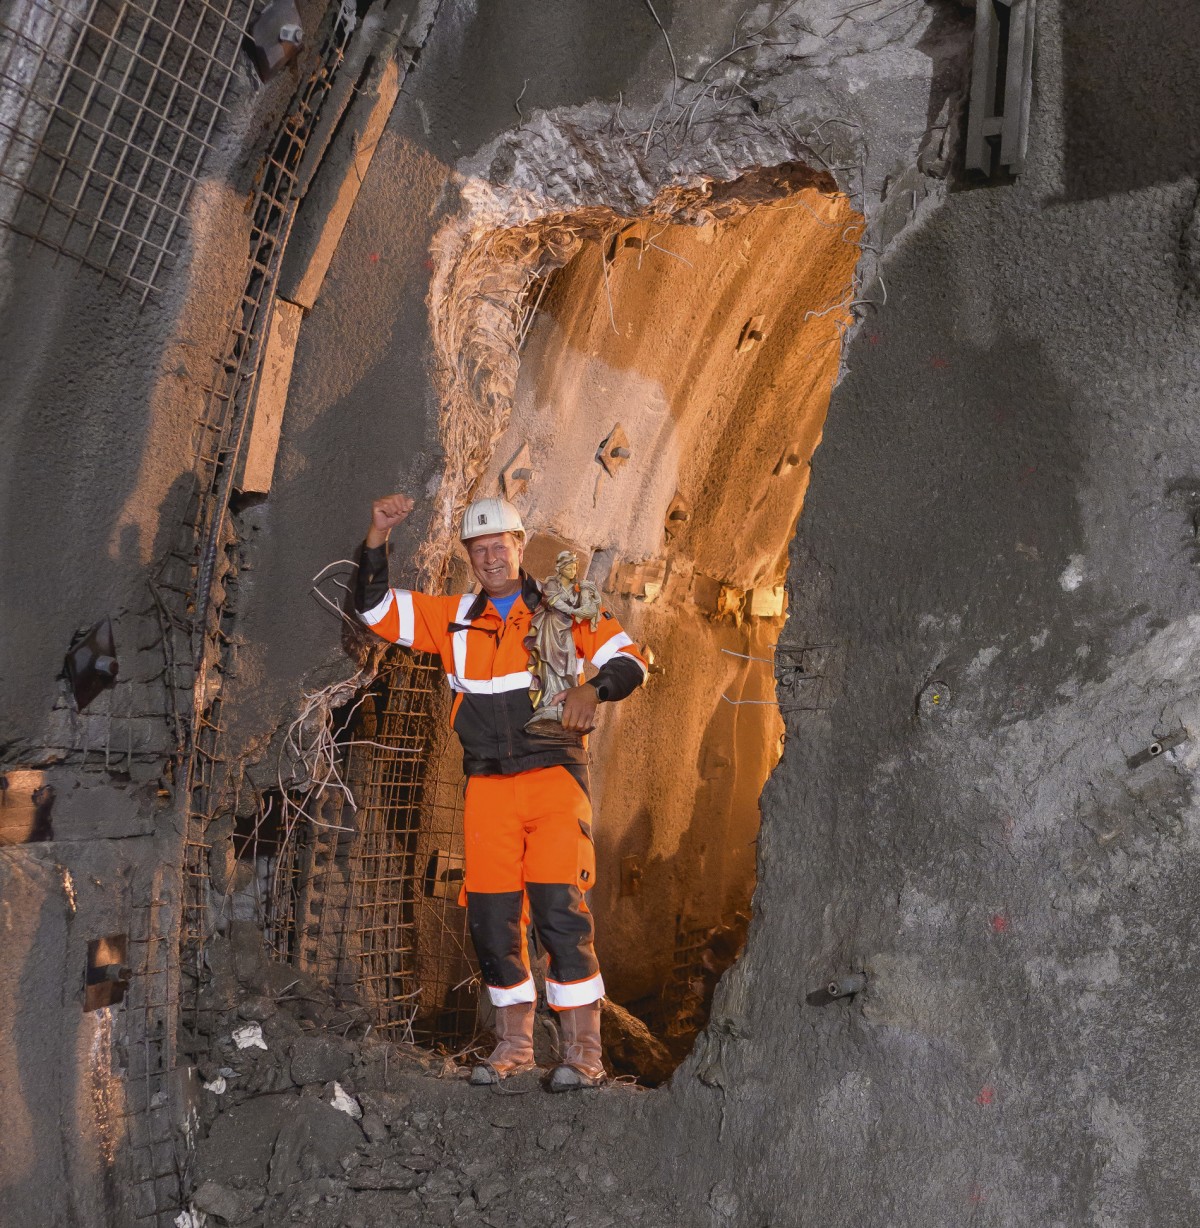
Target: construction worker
column 527, row 818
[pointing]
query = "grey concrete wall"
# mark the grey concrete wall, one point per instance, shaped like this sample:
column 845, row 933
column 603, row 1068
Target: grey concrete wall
column 61, row 1068
column 99, row 403
column 1003, row 501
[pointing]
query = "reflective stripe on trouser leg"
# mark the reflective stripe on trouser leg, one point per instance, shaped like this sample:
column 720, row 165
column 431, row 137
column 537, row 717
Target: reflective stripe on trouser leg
column 564, row 924
column 496, row 930
column 560, row 867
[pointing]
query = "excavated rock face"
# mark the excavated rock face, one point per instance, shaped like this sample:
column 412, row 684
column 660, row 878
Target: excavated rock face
column 711, row 348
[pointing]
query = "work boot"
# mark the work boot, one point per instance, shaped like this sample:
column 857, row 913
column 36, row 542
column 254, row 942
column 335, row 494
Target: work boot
column 513, row 1053
column 582, row 1065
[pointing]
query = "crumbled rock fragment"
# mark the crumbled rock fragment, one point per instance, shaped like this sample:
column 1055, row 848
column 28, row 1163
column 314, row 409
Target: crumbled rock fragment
column 392, row 1107
column 318, row 1059
column 443, row 1180
column 488, row 1189
column 312, row 1143
column 373, row 1127
column 630, row 1046
column 345, row 1103
column 553, row 1136
column 227, row 1205
column 390, row 1174
column 257, row 1008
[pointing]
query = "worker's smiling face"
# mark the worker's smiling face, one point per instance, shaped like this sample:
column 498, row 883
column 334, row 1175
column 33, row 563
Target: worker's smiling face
column 496, row 562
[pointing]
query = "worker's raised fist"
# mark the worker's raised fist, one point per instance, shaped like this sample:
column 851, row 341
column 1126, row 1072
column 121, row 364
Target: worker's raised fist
column 386, row 514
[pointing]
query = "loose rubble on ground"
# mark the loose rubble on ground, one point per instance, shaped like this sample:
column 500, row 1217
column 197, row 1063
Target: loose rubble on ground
column 305, row 1116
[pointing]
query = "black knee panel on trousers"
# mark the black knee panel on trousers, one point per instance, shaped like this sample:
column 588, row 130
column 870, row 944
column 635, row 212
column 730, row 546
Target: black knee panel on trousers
column 565, row 928
column 494, row 919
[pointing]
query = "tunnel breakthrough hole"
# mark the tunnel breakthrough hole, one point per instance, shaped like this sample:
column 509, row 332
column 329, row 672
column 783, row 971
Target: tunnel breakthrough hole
column 701, row 350
column 672, row 384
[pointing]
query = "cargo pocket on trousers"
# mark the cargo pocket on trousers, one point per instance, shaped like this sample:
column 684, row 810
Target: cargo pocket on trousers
column 585, row 872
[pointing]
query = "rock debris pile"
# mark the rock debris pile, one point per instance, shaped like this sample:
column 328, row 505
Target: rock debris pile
column 306, row 1117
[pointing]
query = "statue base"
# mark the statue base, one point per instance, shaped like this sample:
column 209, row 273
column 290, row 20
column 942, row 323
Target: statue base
column 547, row 723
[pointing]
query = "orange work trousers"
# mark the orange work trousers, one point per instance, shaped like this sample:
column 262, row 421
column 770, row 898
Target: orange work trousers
column 528, row 836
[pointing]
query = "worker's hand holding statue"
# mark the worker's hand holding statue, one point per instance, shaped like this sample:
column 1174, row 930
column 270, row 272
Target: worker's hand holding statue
column 579, row 708
column 560, row 704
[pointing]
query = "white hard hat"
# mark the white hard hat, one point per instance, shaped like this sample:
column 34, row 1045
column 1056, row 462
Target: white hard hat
column 486, row 516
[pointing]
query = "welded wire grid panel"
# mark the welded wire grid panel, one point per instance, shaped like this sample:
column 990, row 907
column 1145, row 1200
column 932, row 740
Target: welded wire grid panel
column 109, row 108
column 446, row 971
column 683, row 993
column 155, row 1166
column 408, row 932
column 198, row 573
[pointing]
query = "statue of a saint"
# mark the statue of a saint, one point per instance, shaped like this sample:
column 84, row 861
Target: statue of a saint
column 553, row 661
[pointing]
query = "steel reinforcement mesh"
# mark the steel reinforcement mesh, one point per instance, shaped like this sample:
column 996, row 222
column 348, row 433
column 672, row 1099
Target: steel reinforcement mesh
column 366, row 899
column 107, row 111
column 198, row 581
column 702, row 954
column 195, row 593
column 409, row 933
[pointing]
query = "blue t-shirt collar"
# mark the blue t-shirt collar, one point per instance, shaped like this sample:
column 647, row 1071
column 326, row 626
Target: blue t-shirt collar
column 505, row 604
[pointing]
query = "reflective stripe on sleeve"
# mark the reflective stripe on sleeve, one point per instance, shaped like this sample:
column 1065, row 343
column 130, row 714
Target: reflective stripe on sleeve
column 576, row 993
column 459, row 640
column 408, row 617
column 404, row 612
column 526, row 991
column 611, row 647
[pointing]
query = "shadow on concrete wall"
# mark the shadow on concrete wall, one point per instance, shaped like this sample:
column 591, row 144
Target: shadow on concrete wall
column 975, row 537
column 1127, row 69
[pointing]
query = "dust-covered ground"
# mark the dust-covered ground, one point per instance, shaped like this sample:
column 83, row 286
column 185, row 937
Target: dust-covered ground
column 306, row 1117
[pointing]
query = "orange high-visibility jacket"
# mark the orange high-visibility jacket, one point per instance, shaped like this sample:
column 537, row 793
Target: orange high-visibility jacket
column 487, row 664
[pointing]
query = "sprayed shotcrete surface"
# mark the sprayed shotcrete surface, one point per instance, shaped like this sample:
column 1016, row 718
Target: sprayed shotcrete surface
column 1003, row 502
